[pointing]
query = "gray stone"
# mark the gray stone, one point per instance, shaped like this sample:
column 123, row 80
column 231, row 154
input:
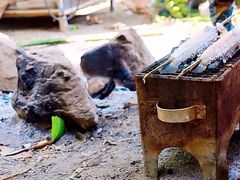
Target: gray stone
column 48, row 85
column 119, row 59
column 8, row 69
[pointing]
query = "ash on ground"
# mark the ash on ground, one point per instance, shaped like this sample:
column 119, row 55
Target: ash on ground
column 112, row 151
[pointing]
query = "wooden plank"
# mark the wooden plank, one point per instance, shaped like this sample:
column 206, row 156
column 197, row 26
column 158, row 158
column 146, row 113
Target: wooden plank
column 3, row 5
column 61, row 12
column 44, row 12
column 31, row 4
column 82, row 6
column 29, row 13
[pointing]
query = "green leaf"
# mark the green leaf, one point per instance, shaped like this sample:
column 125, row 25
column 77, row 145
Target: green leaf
column 43, row 41
column 57, row 130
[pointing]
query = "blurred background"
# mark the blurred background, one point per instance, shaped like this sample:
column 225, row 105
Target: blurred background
column 161, row 23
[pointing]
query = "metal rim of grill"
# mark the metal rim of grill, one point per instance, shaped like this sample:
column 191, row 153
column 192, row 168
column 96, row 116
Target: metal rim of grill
column 207, row 75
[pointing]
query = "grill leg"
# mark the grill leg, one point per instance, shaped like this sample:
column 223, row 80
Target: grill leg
column 222, row 167
column 151, row 162
column 208, row 167
column 205, row 152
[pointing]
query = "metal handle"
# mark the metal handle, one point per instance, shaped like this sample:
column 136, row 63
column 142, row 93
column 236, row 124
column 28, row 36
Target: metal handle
column 181, row 115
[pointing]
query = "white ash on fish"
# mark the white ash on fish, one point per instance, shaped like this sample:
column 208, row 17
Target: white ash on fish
column 220, row 51
column 191, row 48
column 187, row 51
column 182, row 58
column 194, row 47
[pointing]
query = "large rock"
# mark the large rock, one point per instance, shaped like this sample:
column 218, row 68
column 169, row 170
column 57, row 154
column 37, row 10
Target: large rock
column 48, row 85
column 8, row 69
column 119, row 59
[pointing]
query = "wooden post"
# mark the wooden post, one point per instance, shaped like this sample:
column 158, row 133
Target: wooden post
column 111, row 5
column 63, row 22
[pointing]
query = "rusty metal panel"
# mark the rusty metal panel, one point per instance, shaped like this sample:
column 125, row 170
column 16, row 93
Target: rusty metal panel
column 206, row 139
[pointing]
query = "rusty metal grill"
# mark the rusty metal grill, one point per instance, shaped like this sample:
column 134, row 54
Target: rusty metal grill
column 208, row 75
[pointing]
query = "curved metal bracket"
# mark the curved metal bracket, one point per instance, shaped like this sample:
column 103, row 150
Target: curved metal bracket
column 181, row 115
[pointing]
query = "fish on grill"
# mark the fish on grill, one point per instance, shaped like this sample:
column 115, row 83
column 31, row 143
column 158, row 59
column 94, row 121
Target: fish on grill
column 220, row 51
column 191, row 48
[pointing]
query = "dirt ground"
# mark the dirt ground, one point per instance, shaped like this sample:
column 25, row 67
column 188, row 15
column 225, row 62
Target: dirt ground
column 113, row 149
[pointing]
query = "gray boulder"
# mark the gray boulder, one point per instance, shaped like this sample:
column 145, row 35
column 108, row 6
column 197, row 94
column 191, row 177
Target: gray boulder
column 8, row 69
column 120, row 59
column 48, row 85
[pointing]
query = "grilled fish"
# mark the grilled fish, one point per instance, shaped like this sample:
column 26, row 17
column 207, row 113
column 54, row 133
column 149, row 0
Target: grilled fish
column 223, row 49
column 191, row 48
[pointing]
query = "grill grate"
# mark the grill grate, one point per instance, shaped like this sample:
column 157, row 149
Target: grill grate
column 207, row 74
